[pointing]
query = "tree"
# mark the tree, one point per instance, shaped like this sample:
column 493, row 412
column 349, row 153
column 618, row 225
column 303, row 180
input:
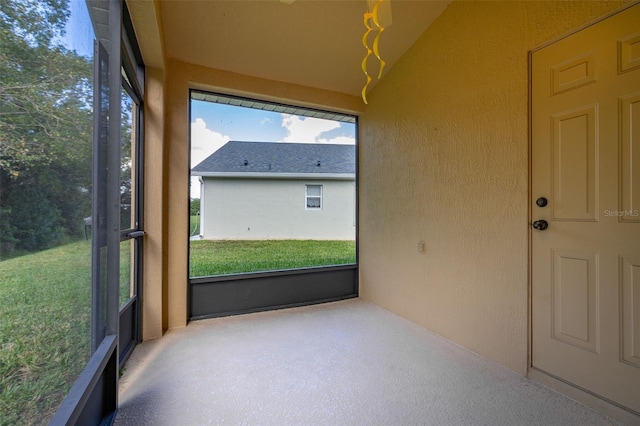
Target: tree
column 45, row 126
column 194, row 207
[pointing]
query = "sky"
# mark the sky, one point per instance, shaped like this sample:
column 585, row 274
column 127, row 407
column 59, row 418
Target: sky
column 79, row 33
column 213, row 125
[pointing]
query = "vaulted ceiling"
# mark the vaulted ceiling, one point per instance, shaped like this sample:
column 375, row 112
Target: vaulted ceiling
column 315, row 43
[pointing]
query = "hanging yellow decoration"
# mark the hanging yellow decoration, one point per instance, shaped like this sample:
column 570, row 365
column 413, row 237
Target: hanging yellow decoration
column 367, row 18
column 376, row 50
column 380, row 15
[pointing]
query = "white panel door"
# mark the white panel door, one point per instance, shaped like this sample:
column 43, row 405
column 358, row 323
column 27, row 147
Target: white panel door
column 586, row 237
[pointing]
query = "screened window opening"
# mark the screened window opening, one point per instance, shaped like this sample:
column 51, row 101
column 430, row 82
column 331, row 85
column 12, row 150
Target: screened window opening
column 47, row 99
column 257, row 169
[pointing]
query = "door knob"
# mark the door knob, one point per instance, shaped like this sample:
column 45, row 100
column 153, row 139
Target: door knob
column 540, row 225
column 541, row 202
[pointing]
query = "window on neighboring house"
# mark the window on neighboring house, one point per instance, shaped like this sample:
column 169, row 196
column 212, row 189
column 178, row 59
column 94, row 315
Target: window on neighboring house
column 313, row 197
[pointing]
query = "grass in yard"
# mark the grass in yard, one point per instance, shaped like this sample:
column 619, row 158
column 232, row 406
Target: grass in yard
column 45, row 305
column 45, row 309
column 230, row 257
column 194, row 225
column 125, row 271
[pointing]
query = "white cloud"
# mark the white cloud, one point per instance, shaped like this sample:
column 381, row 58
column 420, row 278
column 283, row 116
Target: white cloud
column 204, row 142
column 341, row 140
column 307, row 130
column 265, row 121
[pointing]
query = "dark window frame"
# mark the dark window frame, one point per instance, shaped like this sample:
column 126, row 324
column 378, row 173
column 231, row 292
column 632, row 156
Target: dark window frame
column 280, row 288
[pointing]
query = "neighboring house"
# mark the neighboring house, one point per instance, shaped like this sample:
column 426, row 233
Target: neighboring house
column 276, row 190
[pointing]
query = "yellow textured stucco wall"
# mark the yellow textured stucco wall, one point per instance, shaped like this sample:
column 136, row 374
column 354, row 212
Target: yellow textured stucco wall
column 154, row 317
column 444, row 159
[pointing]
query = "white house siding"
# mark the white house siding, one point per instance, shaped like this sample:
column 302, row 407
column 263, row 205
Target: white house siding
column 252, row 209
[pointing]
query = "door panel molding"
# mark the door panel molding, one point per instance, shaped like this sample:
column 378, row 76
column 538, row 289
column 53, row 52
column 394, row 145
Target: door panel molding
column 629, row 53
column 630, row 309
column 575, row 160
column 575, row 304
column 629, row 107
column 574, row 73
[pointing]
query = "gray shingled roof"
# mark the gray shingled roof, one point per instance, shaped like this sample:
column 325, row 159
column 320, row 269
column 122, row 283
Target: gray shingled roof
column 279, row 157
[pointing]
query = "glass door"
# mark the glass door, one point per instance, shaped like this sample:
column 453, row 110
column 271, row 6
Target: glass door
column 131, row 231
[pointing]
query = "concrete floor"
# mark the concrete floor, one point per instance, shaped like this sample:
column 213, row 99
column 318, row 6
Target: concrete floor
column 343, row 363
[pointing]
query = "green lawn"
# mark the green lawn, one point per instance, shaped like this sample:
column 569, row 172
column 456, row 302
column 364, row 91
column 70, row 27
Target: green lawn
column 194, row 225
column 45, row 306
column 229, row 257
